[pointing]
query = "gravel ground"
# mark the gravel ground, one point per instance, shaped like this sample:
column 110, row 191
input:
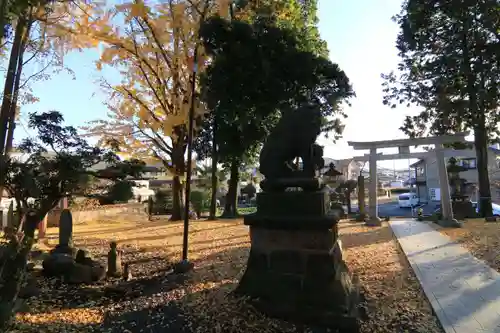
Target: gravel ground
column 158, row 301
column 481, row 238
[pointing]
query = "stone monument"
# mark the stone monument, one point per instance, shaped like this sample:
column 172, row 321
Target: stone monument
column 73, row 265
column 114, row 261
column 361, row 199
column 295, row 270
column 460, row 202
column 65, row 233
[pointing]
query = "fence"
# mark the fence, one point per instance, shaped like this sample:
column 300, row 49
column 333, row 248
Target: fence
column 8, row 215
column 129, row 210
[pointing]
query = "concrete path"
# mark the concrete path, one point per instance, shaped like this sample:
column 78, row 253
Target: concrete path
column 463, row 291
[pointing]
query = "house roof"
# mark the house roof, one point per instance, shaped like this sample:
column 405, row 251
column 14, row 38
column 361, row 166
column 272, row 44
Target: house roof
column 417, row 163
column 494, row 150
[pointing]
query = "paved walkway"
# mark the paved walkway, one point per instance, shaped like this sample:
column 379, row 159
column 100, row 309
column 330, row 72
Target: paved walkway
column 463, row 291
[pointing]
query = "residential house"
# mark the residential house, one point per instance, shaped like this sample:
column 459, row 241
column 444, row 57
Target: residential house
column 349, row 168
column 427, row 177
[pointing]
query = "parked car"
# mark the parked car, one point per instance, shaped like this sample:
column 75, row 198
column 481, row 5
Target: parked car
column 494, row 206
column 407, row 200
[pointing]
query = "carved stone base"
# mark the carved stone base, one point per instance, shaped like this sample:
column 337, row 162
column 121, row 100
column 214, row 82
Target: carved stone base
column 303, row 204
column 280, row 184
column 299, row 275
column 463, row 210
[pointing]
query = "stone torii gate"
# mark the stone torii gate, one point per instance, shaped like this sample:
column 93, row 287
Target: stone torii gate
column 404, row 153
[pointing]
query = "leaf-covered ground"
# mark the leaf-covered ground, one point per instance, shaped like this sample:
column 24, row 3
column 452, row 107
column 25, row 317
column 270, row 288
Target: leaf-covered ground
column 157, row 301
column 481, row 238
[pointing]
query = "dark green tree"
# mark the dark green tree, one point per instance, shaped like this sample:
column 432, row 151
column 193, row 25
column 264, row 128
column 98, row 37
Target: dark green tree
column 55, row 162
column 450, row 67
column 298, row 16
column 120, row 191
column 50, row 168
column 253, row 75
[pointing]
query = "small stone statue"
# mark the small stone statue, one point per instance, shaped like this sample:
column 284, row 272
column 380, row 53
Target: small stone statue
column 114, row 261
column 83, row 257
column 127, row 272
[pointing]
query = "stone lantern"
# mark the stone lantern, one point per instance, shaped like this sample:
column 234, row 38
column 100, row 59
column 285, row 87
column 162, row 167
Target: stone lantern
column 461, row 205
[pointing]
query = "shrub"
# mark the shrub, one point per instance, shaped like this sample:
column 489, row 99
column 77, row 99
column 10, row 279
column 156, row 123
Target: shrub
column 162, row 202
column 199, row 201
column 249, row 190
column 120, row 192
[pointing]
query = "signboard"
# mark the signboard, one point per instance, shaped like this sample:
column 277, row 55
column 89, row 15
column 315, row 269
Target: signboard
column 435, row 194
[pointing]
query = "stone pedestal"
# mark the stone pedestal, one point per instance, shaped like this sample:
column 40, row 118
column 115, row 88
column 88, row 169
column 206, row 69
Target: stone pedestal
column 374, row 221
column 463, row 209
column 295, row 270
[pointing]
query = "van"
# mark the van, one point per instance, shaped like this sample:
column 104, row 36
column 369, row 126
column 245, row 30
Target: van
column 407, row 200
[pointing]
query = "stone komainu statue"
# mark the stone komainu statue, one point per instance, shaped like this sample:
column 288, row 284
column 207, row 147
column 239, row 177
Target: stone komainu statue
column 294, row 136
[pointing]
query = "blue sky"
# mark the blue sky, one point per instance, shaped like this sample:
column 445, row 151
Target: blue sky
column 361, row 39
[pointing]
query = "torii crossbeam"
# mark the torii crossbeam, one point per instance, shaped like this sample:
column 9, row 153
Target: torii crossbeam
column 404, row 153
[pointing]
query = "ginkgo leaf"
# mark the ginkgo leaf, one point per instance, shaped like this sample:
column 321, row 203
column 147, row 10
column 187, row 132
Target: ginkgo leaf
column 138, row 9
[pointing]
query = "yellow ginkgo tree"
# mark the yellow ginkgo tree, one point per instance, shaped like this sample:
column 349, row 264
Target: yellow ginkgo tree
column 152, row 49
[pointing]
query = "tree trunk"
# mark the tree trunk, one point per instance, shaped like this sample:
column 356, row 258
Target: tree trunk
column 8, row 90
column 479, row 125
column 13, row 274
column 179, row 168
column 15, row 95
column 230, row 206
column 215, row 181
column 213, row 199
column 176, row 199
column 6, row 108
column 481, row 145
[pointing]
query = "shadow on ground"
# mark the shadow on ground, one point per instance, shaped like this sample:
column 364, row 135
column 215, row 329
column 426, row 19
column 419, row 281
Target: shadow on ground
column 161, row 301
column 373, row 235
column 154, row 303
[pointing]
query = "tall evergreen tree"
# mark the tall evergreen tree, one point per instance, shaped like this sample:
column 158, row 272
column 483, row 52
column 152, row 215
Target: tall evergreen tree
column 299, row 19
column 450, row 66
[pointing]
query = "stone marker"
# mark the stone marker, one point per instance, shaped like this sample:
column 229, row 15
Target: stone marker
column 114, row 261
column 30, row 223
column 83, row 257
column 66, row 228
column 80, row 269
column 65, row 234
column 127, row 272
